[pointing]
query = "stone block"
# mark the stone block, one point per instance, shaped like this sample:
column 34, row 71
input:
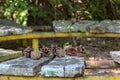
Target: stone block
column 6, row 54
column 68, row 66
column 115, row 56
column 61, row 26
column 23, row 66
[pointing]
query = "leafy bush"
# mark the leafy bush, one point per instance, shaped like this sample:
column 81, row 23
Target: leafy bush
column 16, row 10
column 45, row 11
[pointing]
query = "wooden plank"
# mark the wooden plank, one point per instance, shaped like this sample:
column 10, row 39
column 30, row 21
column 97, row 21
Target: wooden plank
column 102, row 72
column 101, row 64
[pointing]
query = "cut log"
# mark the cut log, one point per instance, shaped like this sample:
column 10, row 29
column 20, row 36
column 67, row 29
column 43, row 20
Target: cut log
column 102, row 64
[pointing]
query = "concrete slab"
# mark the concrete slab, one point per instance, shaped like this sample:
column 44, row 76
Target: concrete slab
column 6, row 54
column 68, row 66
column 61, row 26
column 23, row 66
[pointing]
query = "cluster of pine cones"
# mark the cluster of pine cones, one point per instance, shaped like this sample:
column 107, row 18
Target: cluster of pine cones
column 29, row 52
column 75, row 51
column 45, row 51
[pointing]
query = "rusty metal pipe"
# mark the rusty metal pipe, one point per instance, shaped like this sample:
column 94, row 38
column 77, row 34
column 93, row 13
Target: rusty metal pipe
column 53, row 35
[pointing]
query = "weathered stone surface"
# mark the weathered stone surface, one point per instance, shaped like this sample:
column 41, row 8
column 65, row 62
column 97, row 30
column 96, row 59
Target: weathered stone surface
column 106, row 26
column 6, row 54
column 23, row 66
column 100, row 27
column 8, row 27
column 88, row 26
column 67, row 66
column 67, row 26
column 114, row 27
column 61, row 26
column 115, row 56
column 82, row 26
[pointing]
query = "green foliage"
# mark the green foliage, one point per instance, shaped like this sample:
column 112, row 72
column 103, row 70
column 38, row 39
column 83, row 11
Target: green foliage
column 88, row 52
column 49, row 10
column 103, row 9
column 35, row 11
column 66, row 44
column 16, row 10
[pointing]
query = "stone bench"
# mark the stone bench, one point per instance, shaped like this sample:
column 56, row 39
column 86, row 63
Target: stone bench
column 23, row 66
column 68, row 66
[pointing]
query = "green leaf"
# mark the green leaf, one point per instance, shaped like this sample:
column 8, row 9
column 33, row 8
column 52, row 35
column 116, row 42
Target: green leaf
column 68, row 28
column 12, row 4
column 34, row 8
column 41, row 12
column 19, row 10
column 88, row 52
column 23, row 4
column 88, row 14
column 24, row 23
column 66, row 44
column 24, row 13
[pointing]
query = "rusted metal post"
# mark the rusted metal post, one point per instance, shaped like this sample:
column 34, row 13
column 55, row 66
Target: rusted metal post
column 35, row 44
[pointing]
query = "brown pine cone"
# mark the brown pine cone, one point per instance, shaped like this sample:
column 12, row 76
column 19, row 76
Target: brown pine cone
column 60, row 52
column 36, row 54
column 46, row 51
column 53, row 49
column 27, row 51
column 71, row 51
column 81, row 51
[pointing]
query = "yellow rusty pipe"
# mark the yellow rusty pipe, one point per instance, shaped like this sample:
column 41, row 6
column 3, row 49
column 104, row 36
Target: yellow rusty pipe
column 24, row 42
column 37, row 35
column 35, row 44
column 53, row 35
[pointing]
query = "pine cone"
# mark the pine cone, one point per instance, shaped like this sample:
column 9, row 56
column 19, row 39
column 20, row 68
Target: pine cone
column 60, row 52
column 71, row 51
column 81, row 51
column 27, row 51
column 53, row 49
column 36, row 54
column 46, row 51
